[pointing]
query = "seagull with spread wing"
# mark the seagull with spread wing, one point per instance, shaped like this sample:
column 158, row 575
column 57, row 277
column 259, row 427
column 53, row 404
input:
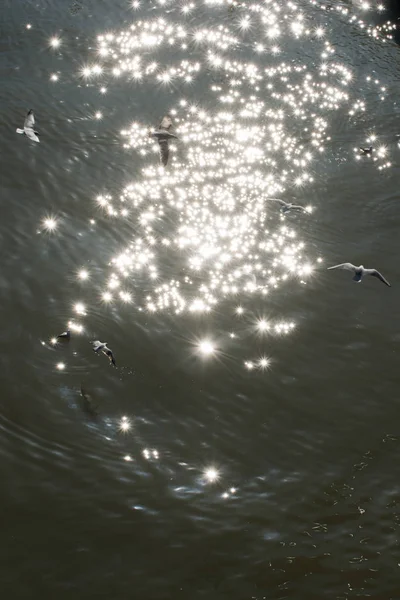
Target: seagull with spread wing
column 163, row 135
column 102, row 347
column 366, row 151
column 360, row 271
column 28, row 130
column 288, row 206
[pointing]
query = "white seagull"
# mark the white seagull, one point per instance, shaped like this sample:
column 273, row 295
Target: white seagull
column 28, row 127
column 163, row 135
column 287, row 206
column 360, row 271
column 102, row 347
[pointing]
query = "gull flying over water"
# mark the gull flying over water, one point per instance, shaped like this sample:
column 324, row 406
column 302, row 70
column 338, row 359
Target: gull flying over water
column 366, row 150
column 28, row 130
column 102, row 347
column 287, row 206
column 163, row 136
column 360, row 271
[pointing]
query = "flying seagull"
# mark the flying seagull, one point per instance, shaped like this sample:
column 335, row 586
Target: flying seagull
column 28, row 127
column 66, row 335
column 360, row 271
column 102, row 347
column 287, row 206
column 366, row 150
column 163, row 136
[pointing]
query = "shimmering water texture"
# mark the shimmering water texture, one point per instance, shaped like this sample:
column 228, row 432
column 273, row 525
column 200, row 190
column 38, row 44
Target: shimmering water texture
column 241, row 392
column 204, row 228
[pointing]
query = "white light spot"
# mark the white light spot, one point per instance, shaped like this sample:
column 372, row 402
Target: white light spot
column 55, row 42
column 206, row 347
column 50, row 223
column 125, row 424
column 211, row 474
column 83, row 274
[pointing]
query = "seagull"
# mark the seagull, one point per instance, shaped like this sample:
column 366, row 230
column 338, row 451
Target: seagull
column 28, row 127
column 287, row 206
column 163, row 136
column 102, row 346
column 360, row 271
column 65, row 335
column 366, row 150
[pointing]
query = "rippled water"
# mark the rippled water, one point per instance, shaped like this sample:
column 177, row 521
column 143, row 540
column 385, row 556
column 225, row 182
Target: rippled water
column 245, row 445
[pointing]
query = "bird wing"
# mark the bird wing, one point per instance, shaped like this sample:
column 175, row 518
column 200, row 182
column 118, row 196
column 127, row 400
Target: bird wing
column 166, row 123
column 297, row 207
column 164, row 151
column 376, row 273
column 110, row 355
column 31, row 134
column 347, row 266
column 98, row 345
column 29, row 120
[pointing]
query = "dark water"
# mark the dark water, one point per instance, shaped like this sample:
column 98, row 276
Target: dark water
column 231, row 480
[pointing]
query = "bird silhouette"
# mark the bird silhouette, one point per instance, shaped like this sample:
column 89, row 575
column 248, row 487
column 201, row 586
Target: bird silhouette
column 163, row 135
column 287, row 206
column 28, row 127
column 360, row 272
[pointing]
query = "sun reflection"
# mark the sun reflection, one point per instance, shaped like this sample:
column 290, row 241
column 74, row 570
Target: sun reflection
column 263, row 325
column 202, row 235
column 211, row 474
column 206, row 347
column 83, row 274
column 80, row 308
column 55, row 42
column 125, row 424
column 50, row 223
column 77, row 327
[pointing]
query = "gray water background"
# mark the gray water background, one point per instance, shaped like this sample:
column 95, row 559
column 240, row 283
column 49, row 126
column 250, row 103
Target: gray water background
column 311, row 447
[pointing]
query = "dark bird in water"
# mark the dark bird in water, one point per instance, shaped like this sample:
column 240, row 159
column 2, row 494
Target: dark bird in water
column 88, row 405
column 365, row 151
column 287, row 206
column 360, row 271
column 28, row 127
column 163, row 135
column 66, row 335
column 102, row 347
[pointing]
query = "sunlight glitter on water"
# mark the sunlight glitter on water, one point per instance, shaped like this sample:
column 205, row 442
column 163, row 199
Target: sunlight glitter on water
column 257, row 132
column 226, row 161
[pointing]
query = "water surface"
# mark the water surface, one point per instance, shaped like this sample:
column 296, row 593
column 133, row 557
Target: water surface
column 245, row 445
